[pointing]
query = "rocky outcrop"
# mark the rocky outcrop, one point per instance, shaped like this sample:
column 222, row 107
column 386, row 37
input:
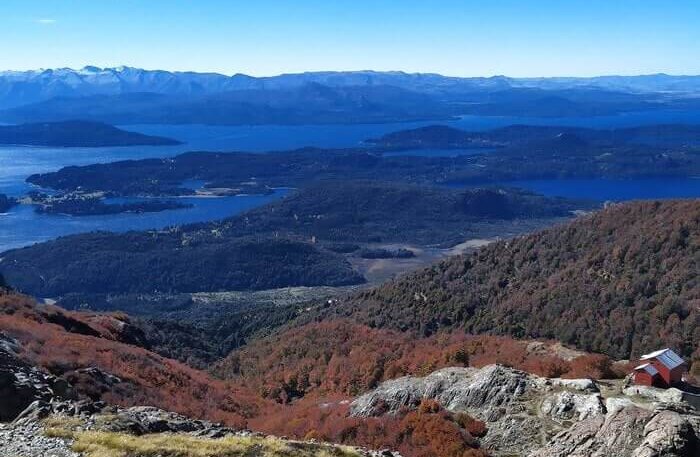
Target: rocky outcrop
column 60, row 425
column 143, row 420
column 532, row 416
column 22, row 384
column 492, row 390
column 632, row 431
column 565, row 406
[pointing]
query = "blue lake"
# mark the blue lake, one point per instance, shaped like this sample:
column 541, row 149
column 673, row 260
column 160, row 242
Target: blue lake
column 22, row 226
column 614, row 189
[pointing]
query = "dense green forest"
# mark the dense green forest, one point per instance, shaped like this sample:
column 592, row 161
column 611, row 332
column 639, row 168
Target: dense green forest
column 622, row 281
column 371, row 211
column 170, row 262
column 92, row 206
column 272, row 246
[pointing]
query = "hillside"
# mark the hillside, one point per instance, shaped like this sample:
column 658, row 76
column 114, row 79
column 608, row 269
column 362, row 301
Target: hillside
column 68, row 360
column 622, row 281
column 170, row 262
column 89, row 350
column 76, row 134
column 375, row 211
column 309, row 103
column 343, row 357
column 269, row 247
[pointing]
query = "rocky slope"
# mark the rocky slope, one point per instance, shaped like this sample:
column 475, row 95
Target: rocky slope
column 75, row 384
column 532, row 416
column 103, row 357
column 42, row 415
column 21, row 384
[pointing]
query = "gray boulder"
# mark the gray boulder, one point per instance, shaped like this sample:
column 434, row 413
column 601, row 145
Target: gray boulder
column 527, row 415
column 493, row 390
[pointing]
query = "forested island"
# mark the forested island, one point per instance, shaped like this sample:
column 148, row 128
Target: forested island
column 446, row 137
column 524, row 152
column 96, row 206
column 77, row 133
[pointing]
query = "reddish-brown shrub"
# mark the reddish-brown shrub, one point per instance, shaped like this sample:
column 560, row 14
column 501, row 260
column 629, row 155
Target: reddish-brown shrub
column 595, row 366
column 337, row 359
column 426, row 432
column 347, row 358
column 61, row 342
column 428, row 405
column 475, row 427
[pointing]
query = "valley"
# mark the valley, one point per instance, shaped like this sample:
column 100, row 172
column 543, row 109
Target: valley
column 347, row 264
column 305, row 239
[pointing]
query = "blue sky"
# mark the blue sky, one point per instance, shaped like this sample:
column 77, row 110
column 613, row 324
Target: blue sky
column 267, row 37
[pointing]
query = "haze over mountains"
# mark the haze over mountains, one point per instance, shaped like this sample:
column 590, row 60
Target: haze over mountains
column 23, row 87
column 132, row 95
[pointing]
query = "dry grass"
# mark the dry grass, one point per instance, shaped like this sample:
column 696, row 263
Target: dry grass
column 109, row 444
column 104, row 444
column 61, row 426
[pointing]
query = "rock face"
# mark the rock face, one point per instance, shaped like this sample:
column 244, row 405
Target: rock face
column 538, row 417
column 572, row 406
column 492, row 390
column 21, row 384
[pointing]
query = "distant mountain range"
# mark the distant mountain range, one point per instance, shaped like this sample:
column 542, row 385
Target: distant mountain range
column 24, row 87
column 132, row 95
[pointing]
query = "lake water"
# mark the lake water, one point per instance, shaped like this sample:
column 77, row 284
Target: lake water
column 21, row 226
column 614, row 189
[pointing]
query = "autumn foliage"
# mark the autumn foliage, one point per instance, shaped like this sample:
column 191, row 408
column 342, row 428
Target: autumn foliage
column 62, row 342
column 311, row 372
column 428, row 431
column 622, row 282
column 342, row 357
